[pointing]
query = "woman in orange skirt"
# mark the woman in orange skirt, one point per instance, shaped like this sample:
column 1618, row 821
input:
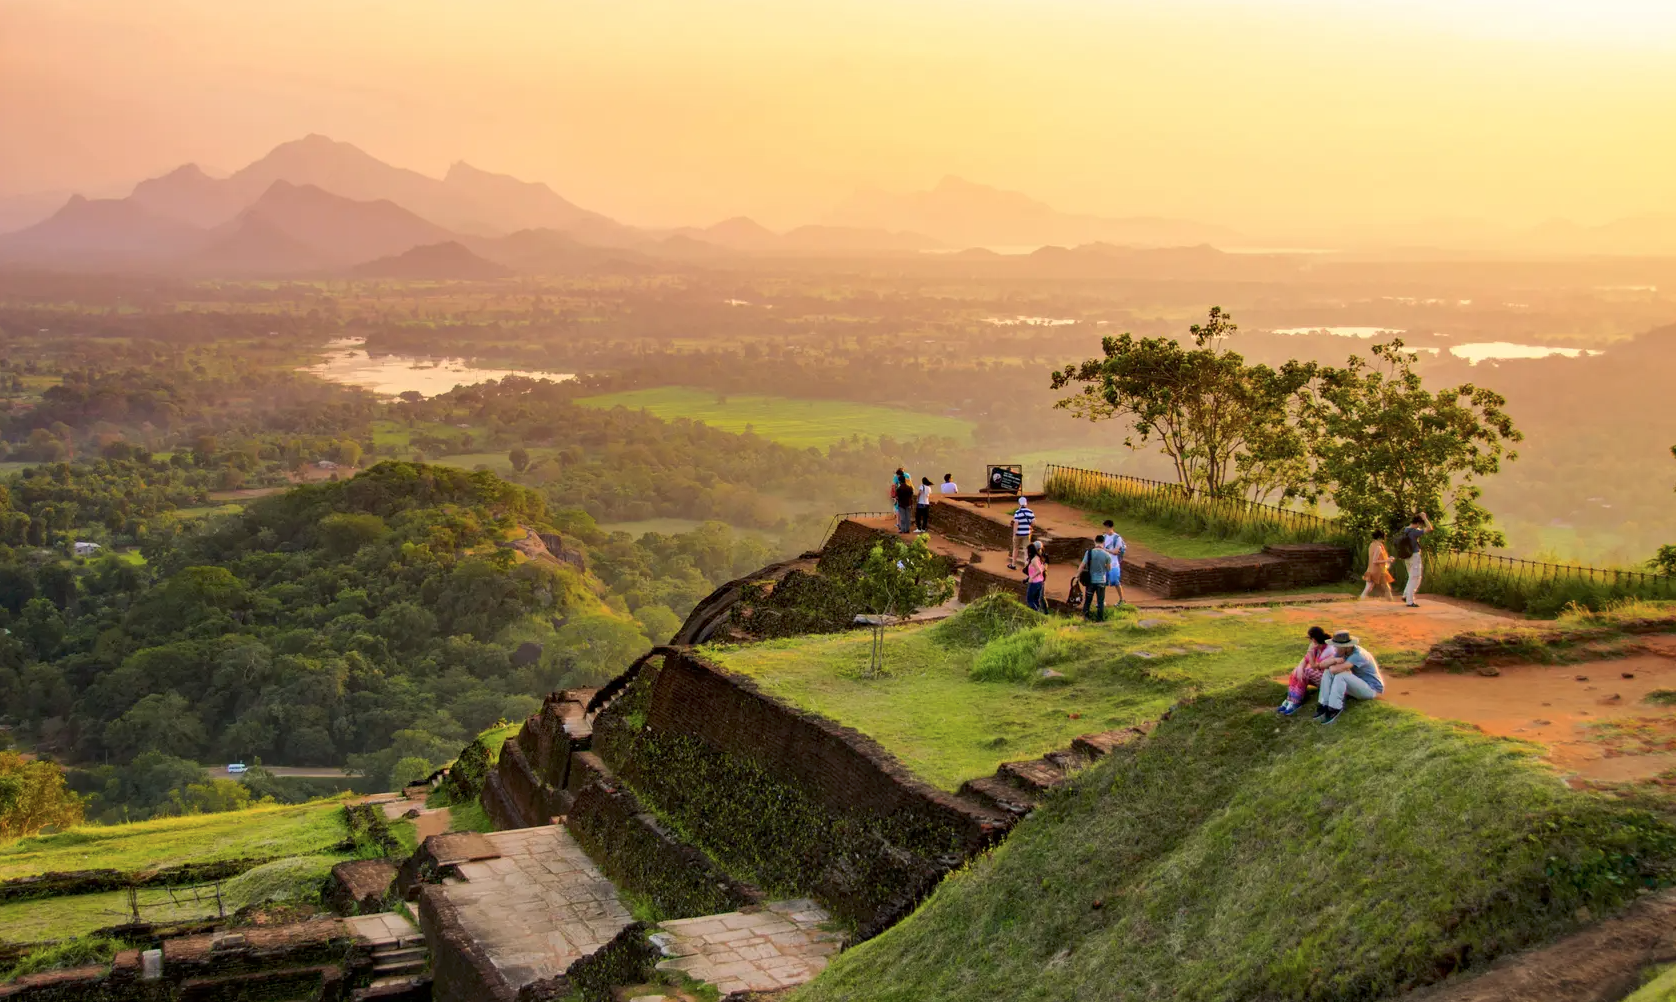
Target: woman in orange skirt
column 1378, row 575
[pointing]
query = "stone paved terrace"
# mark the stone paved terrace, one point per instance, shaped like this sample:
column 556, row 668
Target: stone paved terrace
column 537, row 908
column 382, row 928
column 777, row 946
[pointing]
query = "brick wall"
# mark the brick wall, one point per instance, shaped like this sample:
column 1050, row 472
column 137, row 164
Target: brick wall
column 966, row 524
column 527, row 786
column 639, row 855
column 784, row 796
column 460, row 969
column 1291, row 565
column 841, row 768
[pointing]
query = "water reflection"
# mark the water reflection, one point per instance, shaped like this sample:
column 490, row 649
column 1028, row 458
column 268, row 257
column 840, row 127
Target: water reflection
column 1480, row 351
column 347, row 362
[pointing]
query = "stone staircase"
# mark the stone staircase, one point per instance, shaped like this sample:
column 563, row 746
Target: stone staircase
column 1018, row 788
column 397, row 956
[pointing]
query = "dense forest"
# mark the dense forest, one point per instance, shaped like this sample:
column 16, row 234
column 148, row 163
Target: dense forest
column 370, row 621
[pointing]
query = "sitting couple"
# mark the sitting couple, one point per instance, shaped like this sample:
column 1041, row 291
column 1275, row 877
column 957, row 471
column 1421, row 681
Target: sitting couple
column 1341, row 667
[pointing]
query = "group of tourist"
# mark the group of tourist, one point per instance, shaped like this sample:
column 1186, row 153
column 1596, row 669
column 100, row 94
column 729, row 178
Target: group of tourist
column 1378, row 576
column 1340, row 668
column 913, row 506
column 1101, row 566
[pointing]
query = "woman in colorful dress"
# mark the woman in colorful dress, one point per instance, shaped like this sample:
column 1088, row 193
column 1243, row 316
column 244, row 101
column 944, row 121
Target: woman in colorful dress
column 1308, row 672
column 1378, row 575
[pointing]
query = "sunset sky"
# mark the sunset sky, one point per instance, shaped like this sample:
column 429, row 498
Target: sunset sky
column 1276, row 115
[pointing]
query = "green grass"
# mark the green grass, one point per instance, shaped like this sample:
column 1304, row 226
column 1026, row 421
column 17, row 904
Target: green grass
column 927, row 709
column 205, row 510
column 469, row 817
column 1661, row 989
column 70, row 953
column 494, row 737
column 495, row 461
column 269, row 831
column 48, row 919
column 1168, row 542
column 1234, row 855
column 797, row 423
column 298, row 880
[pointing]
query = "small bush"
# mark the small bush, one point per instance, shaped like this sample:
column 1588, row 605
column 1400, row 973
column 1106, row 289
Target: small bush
column 1021, row 656
column 990, row 618
column 83, row 951
column 295, row 881
column 1661, row 697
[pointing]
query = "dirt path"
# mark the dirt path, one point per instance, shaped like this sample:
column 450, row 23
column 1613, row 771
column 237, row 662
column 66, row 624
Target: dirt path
column 1594, row 718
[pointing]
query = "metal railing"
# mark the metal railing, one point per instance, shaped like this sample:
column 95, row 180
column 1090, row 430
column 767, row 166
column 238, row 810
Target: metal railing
column 1159, row 498
column 1646, row 584
column 1512, row 582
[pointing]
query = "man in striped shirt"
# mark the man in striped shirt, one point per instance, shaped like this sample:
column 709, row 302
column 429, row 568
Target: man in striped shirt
column 1024, row 521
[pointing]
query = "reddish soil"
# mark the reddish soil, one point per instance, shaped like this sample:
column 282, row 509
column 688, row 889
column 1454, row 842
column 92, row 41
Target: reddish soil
column 1393, row 626
column 1593, row 721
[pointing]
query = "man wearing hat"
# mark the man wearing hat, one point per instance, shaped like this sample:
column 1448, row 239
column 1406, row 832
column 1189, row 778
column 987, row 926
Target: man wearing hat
column 1353, row 673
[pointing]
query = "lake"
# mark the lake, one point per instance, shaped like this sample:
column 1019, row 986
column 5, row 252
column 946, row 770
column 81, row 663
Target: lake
column 1361, row 332
column 1481, row 351
column 347, row 362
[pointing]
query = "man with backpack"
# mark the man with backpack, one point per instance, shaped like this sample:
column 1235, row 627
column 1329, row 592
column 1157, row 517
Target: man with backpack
column 903, row 495
column 1093, row 573
column 1407, row 549
column 1113, row 544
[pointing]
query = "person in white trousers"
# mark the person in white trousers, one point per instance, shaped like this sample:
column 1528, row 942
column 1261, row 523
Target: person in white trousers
column 1417, row 528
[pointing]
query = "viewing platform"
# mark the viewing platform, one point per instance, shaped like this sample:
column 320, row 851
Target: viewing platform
column 975, row 530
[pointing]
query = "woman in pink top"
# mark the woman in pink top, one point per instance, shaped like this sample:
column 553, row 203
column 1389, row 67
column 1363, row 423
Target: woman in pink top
column 1309, row 670
column 1035, row 578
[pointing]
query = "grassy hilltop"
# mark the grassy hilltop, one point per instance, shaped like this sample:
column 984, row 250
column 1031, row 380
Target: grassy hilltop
column 1233, row 857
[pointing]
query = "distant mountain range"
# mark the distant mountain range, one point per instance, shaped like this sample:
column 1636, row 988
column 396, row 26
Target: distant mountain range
column 318, row 206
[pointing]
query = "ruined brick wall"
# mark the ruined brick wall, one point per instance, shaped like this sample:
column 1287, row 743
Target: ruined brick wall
column 1294, row 565
column 526, row 788
column 965, row 524
column 460, row 968
column 784, row 797
column 1291, row 565
column 640, row 855
column 844, row 770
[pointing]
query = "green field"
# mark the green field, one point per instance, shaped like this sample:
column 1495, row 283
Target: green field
column 797, row 423
column 270, row 831
column 929, row 709
column 1168, row 542
column 60, row 918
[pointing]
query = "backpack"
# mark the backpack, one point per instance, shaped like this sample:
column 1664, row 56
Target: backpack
column 1403, row 547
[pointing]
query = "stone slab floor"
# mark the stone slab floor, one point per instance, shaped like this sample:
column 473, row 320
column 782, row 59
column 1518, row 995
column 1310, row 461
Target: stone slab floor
column 778, row 946
column 539, row 907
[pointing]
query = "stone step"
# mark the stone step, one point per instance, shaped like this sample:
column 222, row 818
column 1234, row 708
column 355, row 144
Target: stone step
column 393, row 953
column 390, row 968
column 771, row 948
column 997, row 793
column 390, row 989
column 1037, row 775
column 1096, row 746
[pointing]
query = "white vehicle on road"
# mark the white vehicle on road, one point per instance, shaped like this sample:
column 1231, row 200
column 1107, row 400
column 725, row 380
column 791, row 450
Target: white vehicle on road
column 236, row 767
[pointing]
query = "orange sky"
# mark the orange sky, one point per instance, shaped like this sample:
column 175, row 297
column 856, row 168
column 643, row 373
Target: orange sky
column 1273, row 115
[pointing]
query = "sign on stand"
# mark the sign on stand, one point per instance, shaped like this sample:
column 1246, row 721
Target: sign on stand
column 1004, row 478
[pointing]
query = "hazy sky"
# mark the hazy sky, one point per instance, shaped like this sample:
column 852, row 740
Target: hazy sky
column 1257, row 113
